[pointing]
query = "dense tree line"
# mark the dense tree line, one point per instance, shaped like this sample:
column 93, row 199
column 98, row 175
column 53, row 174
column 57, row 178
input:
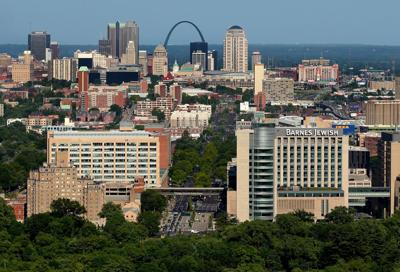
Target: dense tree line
column 62, row 240
column 204, row 159
column 20, row 152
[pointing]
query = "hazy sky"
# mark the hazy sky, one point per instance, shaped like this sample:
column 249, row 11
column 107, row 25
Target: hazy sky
column 265, row 21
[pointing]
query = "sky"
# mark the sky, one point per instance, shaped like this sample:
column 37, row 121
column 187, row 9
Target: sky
column 265, row 21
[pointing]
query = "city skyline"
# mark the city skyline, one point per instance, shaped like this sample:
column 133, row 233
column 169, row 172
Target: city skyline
column 263, row 22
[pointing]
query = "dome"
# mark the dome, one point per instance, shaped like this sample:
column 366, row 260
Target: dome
column 235, row 27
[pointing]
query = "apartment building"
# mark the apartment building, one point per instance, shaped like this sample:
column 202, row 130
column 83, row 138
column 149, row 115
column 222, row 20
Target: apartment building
column 60, row 180
column 278, row 89
column 113, row 156
column 318, row 70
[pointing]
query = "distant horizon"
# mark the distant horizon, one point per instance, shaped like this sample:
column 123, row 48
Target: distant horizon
column 221, row 44
column 280, row 22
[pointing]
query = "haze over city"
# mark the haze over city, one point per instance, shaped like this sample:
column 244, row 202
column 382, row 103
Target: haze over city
column 265, row 22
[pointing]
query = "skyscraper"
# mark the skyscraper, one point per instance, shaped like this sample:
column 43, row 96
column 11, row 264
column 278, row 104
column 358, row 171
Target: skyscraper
column 105, row 47
column 129, row 57
column 256, row 58
column 199, row 47
column 38, row 41
column 83, row 79
column 200, row 58
column 235, row 50
column 55, row 50
column 160, row 61
column 280, row 170
column 143, row 61
column 258, row 77
column 212, row 60
column 119, row 35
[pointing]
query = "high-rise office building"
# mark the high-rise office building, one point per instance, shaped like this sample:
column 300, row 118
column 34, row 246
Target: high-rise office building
column 281, row 170
column 105, row 47
column 200, row 58
column 55, row 50
column 160, row 61
column 143, row 60
column 258, row 70
column 129, row 57
column 212, row 60
column 38, row 41
column 256, row 58
column 198, row 47
column 63, row 69
column 235, row 50
column 49, row 55
column 119, row 35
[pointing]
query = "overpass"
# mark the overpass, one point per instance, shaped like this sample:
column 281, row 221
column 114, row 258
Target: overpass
column 332, row 110
column 189, row 191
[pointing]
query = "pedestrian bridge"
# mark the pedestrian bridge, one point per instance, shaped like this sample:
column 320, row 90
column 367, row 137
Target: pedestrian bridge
column 378, row 192
column 189, row 191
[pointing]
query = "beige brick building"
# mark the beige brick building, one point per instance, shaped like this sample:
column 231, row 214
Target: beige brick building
column 235, row 50
column 61, row 180
column 160, row 61
column 23, row 71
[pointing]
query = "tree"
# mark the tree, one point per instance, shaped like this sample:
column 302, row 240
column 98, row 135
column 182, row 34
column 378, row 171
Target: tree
column 178, row 176
column 7, row 217
column 151, row 220
column 152, row 200
column 304, row 216
column 64, row 207
column 116, row 109
column 159, row 114
column 201, row 179
column 113, row 215
column 340, row 215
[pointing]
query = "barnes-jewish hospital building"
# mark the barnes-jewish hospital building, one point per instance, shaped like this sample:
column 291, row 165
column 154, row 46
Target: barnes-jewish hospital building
column 281, row 170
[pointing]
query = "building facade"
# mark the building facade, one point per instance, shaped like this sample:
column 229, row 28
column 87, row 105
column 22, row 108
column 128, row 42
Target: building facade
column 119, row 35
column 318, row 70
column 63, row 69
column 258, row 70
column 278, row 89
column 383, row 112
column 256, row 58
column 23, row 71
column 38, row 41
column 281, row 170
column 57, row 180
column 129, row 57
column 160, row 61
column 235, row 50
column 110, row 156
column 389, row 170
